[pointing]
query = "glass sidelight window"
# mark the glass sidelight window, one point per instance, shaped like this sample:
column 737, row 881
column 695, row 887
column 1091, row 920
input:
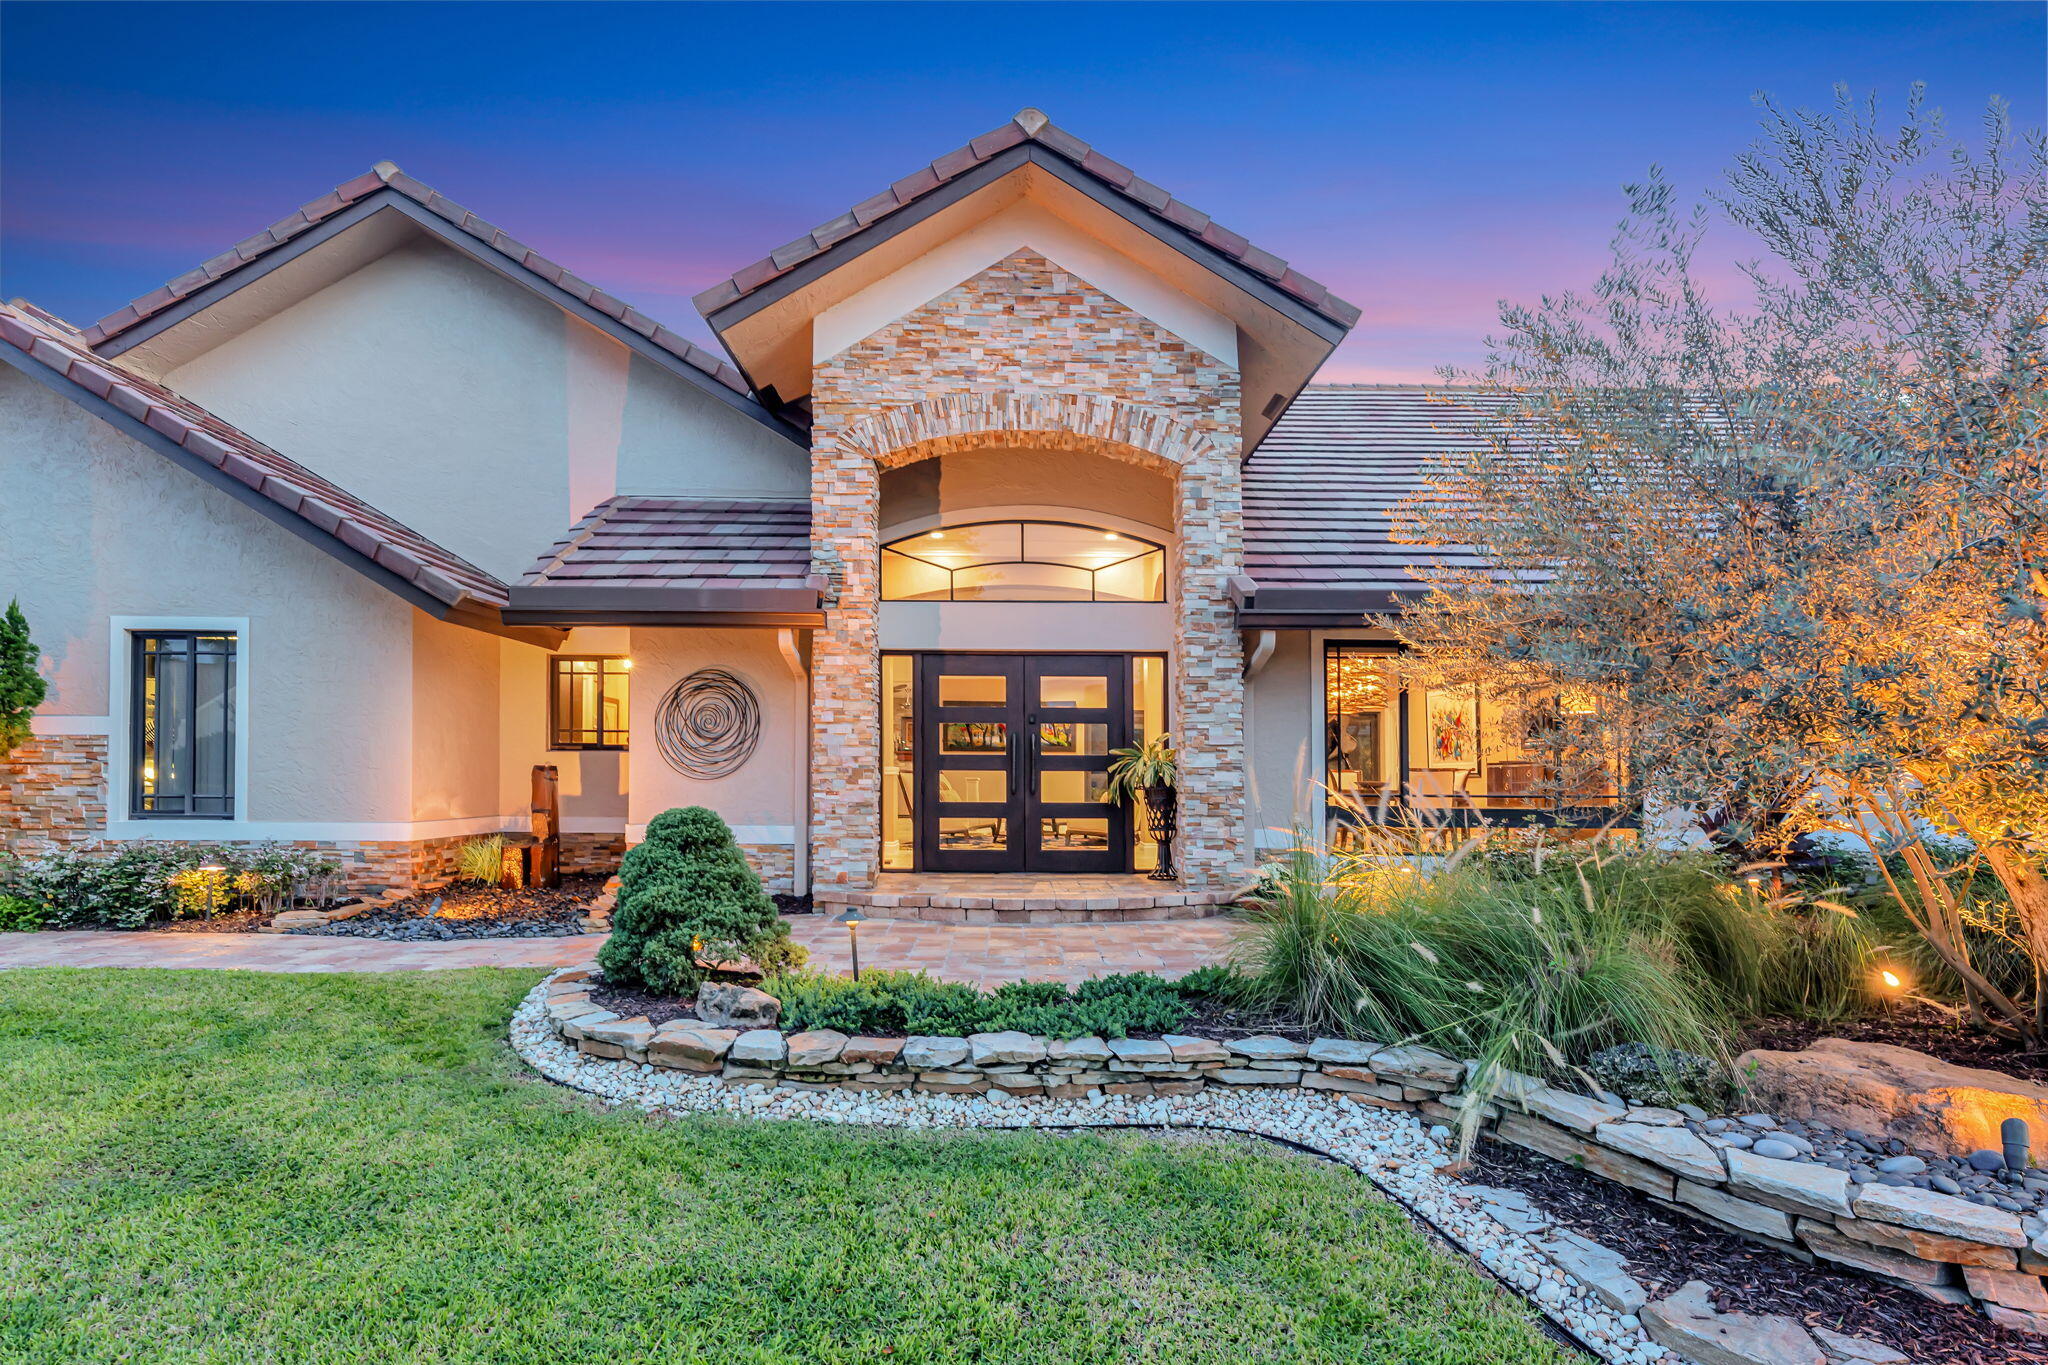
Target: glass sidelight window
column 182, row 725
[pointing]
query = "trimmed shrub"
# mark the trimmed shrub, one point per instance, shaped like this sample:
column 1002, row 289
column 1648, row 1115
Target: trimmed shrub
column 688, row 901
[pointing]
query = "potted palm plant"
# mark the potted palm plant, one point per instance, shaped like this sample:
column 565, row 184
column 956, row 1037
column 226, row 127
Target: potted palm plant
column 1148, row 771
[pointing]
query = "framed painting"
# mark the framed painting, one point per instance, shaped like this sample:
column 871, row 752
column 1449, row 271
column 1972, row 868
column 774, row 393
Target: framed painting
column 1452, row 728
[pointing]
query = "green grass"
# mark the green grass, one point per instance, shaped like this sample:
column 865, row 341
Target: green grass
column 226, row 1166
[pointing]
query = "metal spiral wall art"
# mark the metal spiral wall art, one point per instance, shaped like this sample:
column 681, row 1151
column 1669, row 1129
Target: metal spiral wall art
column 708, row 724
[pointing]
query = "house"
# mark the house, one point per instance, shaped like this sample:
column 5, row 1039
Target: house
column 337, row 536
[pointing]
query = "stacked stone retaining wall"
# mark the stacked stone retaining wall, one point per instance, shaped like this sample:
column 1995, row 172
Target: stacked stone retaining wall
column 1939, row 1245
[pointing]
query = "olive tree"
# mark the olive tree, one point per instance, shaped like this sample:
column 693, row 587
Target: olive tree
column 1796, row 547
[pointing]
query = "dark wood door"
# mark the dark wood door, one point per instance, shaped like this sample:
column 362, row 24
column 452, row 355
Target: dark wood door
column 970, row 721
column 1077, row 709
column 1013, row 759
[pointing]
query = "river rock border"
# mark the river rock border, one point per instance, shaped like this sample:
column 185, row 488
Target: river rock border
column 1941, row 1246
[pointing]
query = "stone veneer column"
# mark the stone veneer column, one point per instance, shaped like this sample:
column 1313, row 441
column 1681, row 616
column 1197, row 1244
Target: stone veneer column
column 846, row 664
column 1208, row 671
column 1025, row 355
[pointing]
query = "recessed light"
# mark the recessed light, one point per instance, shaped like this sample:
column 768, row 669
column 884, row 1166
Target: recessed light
column 1109, row 535
column 938, row 535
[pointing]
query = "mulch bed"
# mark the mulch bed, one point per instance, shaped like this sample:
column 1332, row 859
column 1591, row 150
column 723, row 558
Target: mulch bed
column 1920, row 1027
column 1664, row 1250
column 231, row 922
column 473, row 911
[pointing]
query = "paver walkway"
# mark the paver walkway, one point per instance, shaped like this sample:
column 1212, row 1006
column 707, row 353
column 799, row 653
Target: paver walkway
column 985, row 955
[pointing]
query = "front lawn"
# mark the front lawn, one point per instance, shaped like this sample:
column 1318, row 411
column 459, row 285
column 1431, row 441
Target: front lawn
column 231, row 1166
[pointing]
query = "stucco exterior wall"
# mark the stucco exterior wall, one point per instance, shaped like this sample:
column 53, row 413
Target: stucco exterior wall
column 764, row 800
column 1282, row 750
column 94, row 526
column 472, row 410
column 591, row 783
column 455, row 705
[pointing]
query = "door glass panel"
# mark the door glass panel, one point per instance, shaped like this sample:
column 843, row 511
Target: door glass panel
column 970, row 832
column 986, row 786
column 1086, row 692
column 1073, row 786
column 972, row 689
column 1085, row 738
column 973, row 737
column 1063, row 832
column 899, row 830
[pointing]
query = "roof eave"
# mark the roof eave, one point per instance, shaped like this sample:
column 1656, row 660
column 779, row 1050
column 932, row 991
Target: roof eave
column 724, row 315
column 593, row 604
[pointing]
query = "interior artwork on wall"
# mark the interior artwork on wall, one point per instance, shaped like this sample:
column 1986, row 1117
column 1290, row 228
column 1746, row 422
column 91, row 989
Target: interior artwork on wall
column 1453, row 728
column 708, row 724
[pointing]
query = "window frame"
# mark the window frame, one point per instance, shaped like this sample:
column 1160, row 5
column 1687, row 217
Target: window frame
column 556, row 744
column 1147, row 546
column 233, row 700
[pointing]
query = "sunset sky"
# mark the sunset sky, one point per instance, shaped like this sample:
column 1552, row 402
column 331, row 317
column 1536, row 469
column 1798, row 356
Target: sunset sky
column 1425, row 161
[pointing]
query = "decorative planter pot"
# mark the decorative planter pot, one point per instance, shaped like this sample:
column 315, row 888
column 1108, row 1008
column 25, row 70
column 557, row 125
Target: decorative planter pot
column 1160, row 822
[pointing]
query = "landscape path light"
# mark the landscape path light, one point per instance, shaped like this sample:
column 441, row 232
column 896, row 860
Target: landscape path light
column 852, row 918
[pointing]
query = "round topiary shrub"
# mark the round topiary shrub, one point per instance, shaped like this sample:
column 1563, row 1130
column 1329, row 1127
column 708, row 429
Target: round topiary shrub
column 688, row 901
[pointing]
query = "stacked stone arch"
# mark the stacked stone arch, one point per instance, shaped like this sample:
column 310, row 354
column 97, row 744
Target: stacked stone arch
column 1028, row 356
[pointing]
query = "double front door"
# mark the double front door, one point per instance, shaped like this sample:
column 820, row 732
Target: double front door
column 1012, row 762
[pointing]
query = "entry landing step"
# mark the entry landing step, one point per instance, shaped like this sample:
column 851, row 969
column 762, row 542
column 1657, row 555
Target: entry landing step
column 1023, row 898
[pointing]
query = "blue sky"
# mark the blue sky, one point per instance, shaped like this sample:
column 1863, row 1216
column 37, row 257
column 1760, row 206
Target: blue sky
column 1425, row 160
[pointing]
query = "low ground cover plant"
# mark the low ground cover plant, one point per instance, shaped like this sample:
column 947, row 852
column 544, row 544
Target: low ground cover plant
column 913, row 1003
column 131, row 885
column 688, row 901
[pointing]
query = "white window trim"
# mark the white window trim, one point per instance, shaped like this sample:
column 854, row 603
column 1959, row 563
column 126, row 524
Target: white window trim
column 120, row 759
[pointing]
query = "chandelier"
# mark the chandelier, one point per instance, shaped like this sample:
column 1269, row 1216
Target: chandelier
column 1357, row 682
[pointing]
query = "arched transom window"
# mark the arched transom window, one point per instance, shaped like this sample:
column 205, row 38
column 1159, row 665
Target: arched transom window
column 1023, row 561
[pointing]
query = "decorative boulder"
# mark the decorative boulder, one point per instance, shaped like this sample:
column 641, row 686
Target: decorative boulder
column 1688, row 1324
column 1923, row 1101
column 733, row 1006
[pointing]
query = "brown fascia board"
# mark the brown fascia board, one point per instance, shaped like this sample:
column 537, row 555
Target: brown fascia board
column 584, row 605
column 995, row 168
column 236, row 489
column 484, row 254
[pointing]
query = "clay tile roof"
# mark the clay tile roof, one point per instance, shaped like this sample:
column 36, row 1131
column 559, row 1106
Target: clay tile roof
column 1032, row 126
column 1324, row 495
column 633, row 542
column 330, row 509
column 385, row 176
